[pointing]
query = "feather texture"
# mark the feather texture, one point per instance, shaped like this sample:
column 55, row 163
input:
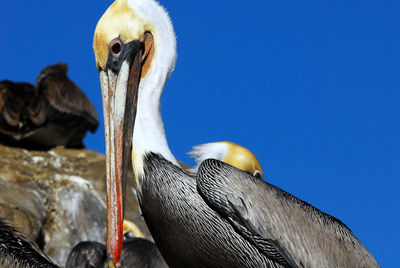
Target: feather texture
column 280, row 225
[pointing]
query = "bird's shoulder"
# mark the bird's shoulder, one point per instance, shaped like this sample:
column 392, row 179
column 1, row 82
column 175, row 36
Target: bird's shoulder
column 239, row 197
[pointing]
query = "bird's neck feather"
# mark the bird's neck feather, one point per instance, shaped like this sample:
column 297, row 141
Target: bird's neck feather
column 148, row 134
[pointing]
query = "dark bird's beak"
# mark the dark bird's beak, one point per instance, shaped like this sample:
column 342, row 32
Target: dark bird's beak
column 119, row 85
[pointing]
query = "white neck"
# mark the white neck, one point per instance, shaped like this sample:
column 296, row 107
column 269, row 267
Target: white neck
column 149, row 135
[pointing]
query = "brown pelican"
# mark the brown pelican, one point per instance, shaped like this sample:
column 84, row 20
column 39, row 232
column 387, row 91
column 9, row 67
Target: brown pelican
column 15, row 99
column 140, row 252
column 55, row 112
column 135, row 50
column 228, row 152
column 136, row 252
column 17, row 250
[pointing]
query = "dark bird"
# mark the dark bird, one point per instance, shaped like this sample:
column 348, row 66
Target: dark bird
column 87, row 254
column 55, row 112
column 212, row 226
column 17, row 250
column 136, row 252
column 15, row 99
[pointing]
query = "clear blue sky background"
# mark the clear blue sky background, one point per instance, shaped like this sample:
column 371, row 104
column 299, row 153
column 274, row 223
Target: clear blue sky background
column 311, row 87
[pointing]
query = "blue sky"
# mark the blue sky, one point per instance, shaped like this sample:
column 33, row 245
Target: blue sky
column 311, row 87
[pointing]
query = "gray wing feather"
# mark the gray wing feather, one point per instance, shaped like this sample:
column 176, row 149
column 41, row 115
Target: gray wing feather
column 235, row 204
column 284, row 228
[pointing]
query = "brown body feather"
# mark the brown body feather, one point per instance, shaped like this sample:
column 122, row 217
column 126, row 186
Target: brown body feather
column 55, row 112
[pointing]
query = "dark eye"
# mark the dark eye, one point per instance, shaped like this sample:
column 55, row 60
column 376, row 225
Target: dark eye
column 257, row 174
column 116, row 47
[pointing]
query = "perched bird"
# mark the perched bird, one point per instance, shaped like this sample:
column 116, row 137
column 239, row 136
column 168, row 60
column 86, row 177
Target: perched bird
column 140, row 252
column 135, row 49
column 17, row 250
column 136, row 252
column 15, row 99
column 87, row 254
column 228, row 152
column 55, row 112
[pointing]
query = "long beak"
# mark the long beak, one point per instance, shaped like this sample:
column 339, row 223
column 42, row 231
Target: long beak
column 119, row 89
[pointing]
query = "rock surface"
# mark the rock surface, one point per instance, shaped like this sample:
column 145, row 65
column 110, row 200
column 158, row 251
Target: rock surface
column 58, row 197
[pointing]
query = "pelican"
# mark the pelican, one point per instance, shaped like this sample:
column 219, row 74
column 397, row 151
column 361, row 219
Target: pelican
column 135, row 50
column 228, row 152
column 55, row 112
column 17, row 250
column 140, row 252
column 136, row 252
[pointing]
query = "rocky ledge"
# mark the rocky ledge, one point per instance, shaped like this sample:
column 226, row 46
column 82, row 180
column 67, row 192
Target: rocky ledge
column 58, row 197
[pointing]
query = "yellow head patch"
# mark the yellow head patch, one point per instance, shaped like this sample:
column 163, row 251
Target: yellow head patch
column 131, row 227
column 120, row 20
column 241, row 158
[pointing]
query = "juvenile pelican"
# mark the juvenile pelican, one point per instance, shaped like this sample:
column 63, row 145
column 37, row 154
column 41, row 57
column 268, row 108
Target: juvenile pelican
column 135, row 50
column 55, row 112
column 136, row 252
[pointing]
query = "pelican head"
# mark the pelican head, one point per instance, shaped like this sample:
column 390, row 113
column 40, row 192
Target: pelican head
column 135, row 50
column 230, row 153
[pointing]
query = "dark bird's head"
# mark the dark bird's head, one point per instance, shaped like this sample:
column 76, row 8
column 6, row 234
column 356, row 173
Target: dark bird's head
column 14, row 100
column 87, row 254
column 21, row 90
